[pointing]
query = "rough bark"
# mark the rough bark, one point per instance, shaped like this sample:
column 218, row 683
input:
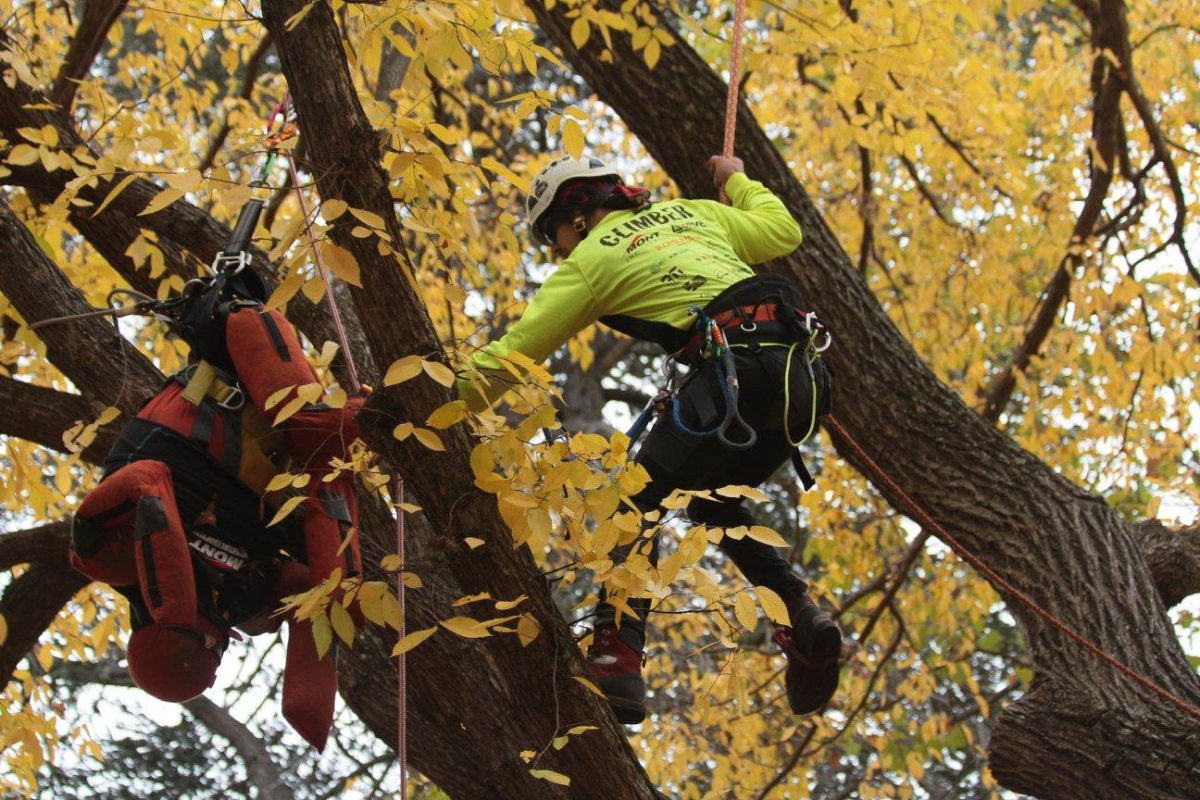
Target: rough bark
column 1055, row 542
column 83, row 351
column 44, row 544
column 30, row 603
column 187, row 236
column 499, row 693
column 40, row 415
column 98, row 19
column 1173, row 558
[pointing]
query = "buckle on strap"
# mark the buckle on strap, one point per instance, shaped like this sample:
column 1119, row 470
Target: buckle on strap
column 200, row 381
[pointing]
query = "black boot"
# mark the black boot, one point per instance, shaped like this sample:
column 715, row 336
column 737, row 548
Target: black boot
column 813, row 646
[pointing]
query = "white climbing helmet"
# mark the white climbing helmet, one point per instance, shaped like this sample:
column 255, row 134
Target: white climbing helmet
column 554, row 175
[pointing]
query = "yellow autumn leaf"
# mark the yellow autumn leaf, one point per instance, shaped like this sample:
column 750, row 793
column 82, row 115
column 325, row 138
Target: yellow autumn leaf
column 429, row 439
column 412, row 640
column 402, row 369
column 551, row 775
column 652, row 53
column 528, row 629
column 368, row 218
column 466, row 627
column 439, row 372
column 333, row 208
column 579, row 32
column 161, row 200
column 766, row 535
column 341, row 262
column 447, row 415
column 343, row 625
column 587, row 684
column 280, row 481
column 744, row 610
column 277, row 397
column 287, row 508
column 773, row 605
column 573, row 139
column 298, row 17
column 112, row 193
column 289, row 409
column 322, row 634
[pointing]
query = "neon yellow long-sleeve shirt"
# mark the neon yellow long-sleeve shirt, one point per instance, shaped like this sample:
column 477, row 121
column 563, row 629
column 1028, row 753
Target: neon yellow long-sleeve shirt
column 639, row 271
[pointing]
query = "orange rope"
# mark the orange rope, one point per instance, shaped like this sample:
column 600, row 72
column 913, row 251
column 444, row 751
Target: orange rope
column 735, row 77
column 915, row 510
column 919, row 514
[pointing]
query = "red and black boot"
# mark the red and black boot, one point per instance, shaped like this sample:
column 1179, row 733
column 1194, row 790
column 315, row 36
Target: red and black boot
column 617, row 669
column 813, row 645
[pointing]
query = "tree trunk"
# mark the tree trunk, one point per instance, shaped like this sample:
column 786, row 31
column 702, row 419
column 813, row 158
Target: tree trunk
column 474, row 704
column 1050, row 539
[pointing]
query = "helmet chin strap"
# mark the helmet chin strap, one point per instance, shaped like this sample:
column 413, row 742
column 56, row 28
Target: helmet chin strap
column 579, row 223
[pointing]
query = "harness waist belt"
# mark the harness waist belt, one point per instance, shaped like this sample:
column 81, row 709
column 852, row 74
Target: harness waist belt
column 750, row 315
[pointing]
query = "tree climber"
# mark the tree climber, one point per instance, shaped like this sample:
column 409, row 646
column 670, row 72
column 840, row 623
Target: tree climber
column 178, row 523
column 676, row 273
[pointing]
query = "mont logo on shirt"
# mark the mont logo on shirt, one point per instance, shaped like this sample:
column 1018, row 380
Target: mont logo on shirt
column 644, row 221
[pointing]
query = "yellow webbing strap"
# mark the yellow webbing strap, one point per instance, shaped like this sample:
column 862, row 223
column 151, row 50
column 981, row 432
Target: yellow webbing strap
column 198, row 385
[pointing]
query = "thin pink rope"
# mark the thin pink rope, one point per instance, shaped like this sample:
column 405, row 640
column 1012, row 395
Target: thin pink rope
column 398, row 493
column 402, row 665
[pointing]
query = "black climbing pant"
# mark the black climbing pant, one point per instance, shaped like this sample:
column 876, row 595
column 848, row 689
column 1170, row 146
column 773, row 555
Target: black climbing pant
column 676, row 459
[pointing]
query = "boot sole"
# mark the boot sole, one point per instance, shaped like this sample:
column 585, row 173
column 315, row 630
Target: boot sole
column 812, row 677
column 627, row 712
column 624, row 695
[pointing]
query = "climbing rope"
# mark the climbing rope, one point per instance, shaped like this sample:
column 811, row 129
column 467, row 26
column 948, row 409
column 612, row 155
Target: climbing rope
column 877, row 473
column 735, row 76
column 919, row 514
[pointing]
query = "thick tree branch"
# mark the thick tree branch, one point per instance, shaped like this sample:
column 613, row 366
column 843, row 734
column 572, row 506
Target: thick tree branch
column 41, row 415
column 1110, row 33
column 89, row 351
column 532, row 685
column 30, row 603
column 1173, row 557
column 98, row 18
column 45, row 544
